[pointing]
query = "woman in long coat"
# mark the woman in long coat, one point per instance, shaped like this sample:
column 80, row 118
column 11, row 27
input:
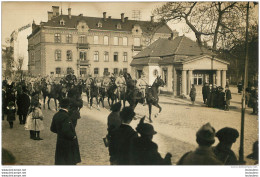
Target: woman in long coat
column 193, row 94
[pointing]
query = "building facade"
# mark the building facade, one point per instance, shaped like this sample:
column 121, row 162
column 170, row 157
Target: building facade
column 88, row 45
column 181, row 63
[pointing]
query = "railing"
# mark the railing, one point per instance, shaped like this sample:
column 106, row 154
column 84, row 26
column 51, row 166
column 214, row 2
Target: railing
column 137, row 48
column 83, row 62
column 83, row 45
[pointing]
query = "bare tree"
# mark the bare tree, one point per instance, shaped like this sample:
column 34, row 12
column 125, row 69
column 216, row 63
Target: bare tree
column 19, row 65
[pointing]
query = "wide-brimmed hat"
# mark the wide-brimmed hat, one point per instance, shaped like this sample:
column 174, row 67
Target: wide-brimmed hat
column 206, row 133
column 127, row 113
column 145, row 129
column 227, row 135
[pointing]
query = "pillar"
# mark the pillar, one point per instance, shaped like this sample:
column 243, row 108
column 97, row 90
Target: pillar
column 183, row 82
column 189, row 80
column 224, row 73
column 218, row 80
column 174, row 81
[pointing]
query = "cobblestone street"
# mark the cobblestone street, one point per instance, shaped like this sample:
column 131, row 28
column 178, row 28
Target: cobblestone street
column 176, row 127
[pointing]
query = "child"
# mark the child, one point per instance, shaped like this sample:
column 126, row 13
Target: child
column 34, row 121
column 11, row 113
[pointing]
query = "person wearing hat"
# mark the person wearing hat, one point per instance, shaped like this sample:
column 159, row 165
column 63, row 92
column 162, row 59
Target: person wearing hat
column 226, row 136
column 121, row 84
column 23, row 104
column 209, row 96
column 205, row 90
column 144, row 150
column 254, row 154
column 122, row 138
column 228, row 97
column 203, row 155
column 142, row 84
column 67, row 148
column 106, row 81
column 192, row 94
column 113, row 119
column 11, row 113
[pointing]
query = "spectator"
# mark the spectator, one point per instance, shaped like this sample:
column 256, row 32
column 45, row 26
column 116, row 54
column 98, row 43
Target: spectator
column 193, row 94
column 205, row 90
column 144, row 150
column 209, row 96
column 121, row 139
column 203, row 155
column 23, row 104
column 228, row 97
column 11, row 113
column 67, row 148
column 254, row 155
column 227, row 136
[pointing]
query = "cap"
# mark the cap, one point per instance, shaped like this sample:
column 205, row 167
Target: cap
column 227, row 135
column 206, row 133
column 145, row 129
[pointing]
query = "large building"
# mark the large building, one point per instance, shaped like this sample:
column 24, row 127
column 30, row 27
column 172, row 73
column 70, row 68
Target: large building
column 181, row 63
column 88, row 45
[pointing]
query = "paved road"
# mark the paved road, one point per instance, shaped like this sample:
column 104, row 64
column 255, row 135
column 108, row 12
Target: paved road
column 176, row 127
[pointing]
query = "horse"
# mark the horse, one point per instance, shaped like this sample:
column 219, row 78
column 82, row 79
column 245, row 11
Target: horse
column 133, row 96
column 55, row 93
column 111, row 92
column 94, row 92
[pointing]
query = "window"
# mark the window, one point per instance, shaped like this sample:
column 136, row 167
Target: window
column 125, row 56
column 95, row 39
column 83, row 71
column 96, row 56
column 115, row 70
column 69, row 70
column 69, row 55
column 105, row 70
column 57, row 55
column 105, row 40
column 57, row 37
column 99, row 24
column 197, row 79
column 83, row 56
column 165, row 76
column 118, row 26
column 115, row 40
column 96, row 71
column 32, row 57
column 124, row 70
column 82, row 39
column 116, row 56
column 69, row 38
column 137, row 42
column 125, row 41
column 106, row 56
column 58, row 71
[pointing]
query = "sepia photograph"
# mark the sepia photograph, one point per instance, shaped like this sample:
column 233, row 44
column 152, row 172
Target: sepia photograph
column 129, row 84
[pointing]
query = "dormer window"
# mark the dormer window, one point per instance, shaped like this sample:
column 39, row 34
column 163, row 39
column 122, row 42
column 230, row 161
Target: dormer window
column 62, row 22
column 99, row 24
column 118, row 26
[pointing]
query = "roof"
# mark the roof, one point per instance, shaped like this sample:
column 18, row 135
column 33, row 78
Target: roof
column 180, row 45
column 109, row 24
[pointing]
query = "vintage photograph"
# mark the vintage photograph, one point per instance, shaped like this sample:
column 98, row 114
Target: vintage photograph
column 130, row 83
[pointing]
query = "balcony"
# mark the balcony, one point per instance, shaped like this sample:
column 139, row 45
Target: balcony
column 83, row 62
column 137, row 48
column 83, row 45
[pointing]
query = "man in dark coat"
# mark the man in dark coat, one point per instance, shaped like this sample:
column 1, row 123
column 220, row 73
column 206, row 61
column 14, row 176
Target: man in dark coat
column 144, row 150
column 227, row 136
column 122, row 138
column 205, row 90
column 23, row 103
column 221, row 98
column 76, row 103
column 193, row 94
column 228, row 97
column 67, row 148
column 203, row 155
column 209, row 96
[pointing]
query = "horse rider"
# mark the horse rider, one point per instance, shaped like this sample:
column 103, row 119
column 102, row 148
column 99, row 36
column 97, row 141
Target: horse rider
column 120, row 83
column 141, row 85
column 88, row 82
column 106, row 81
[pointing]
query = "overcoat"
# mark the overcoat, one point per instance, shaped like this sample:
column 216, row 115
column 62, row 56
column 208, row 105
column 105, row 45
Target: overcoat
column 225, row 155
column 23, row 104
column 193, row 94
column 10, row 113
column 67, row 148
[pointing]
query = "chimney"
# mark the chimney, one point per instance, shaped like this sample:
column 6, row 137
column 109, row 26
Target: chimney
column 126, row 18
column 55, row 10
column 33, row 25
column 122, row 17
column 170, row 38
column 104, row 16
column 69, row 13
column 152, row 19
column 50, row 15
column 81, row 15
column 109, row 17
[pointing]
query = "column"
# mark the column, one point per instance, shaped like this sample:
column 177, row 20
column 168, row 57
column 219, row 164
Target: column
column 218, row 80
column 224, row 79
column 174, row 81
column 189, row 80
column 183, row 82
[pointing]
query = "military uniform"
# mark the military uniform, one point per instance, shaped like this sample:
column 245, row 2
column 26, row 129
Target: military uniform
column 121, row 85
column 141, row 85
column 106, row 82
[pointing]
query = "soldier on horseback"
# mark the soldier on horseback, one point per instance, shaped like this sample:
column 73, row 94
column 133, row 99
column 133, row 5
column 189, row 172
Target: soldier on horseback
column 142, row 85
column 106, row 81
column 50, row 81
column 121, row 84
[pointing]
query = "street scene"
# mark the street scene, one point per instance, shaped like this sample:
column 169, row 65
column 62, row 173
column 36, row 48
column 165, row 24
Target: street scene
column 167, row 83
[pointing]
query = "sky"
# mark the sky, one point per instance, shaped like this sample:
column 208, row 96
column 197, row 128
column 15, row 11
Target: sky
column 18, row 14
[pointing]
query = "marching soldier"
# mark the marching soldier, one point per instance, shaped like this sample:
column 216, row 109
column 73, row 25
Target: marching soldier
column 141, row 85
column 120, row 83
